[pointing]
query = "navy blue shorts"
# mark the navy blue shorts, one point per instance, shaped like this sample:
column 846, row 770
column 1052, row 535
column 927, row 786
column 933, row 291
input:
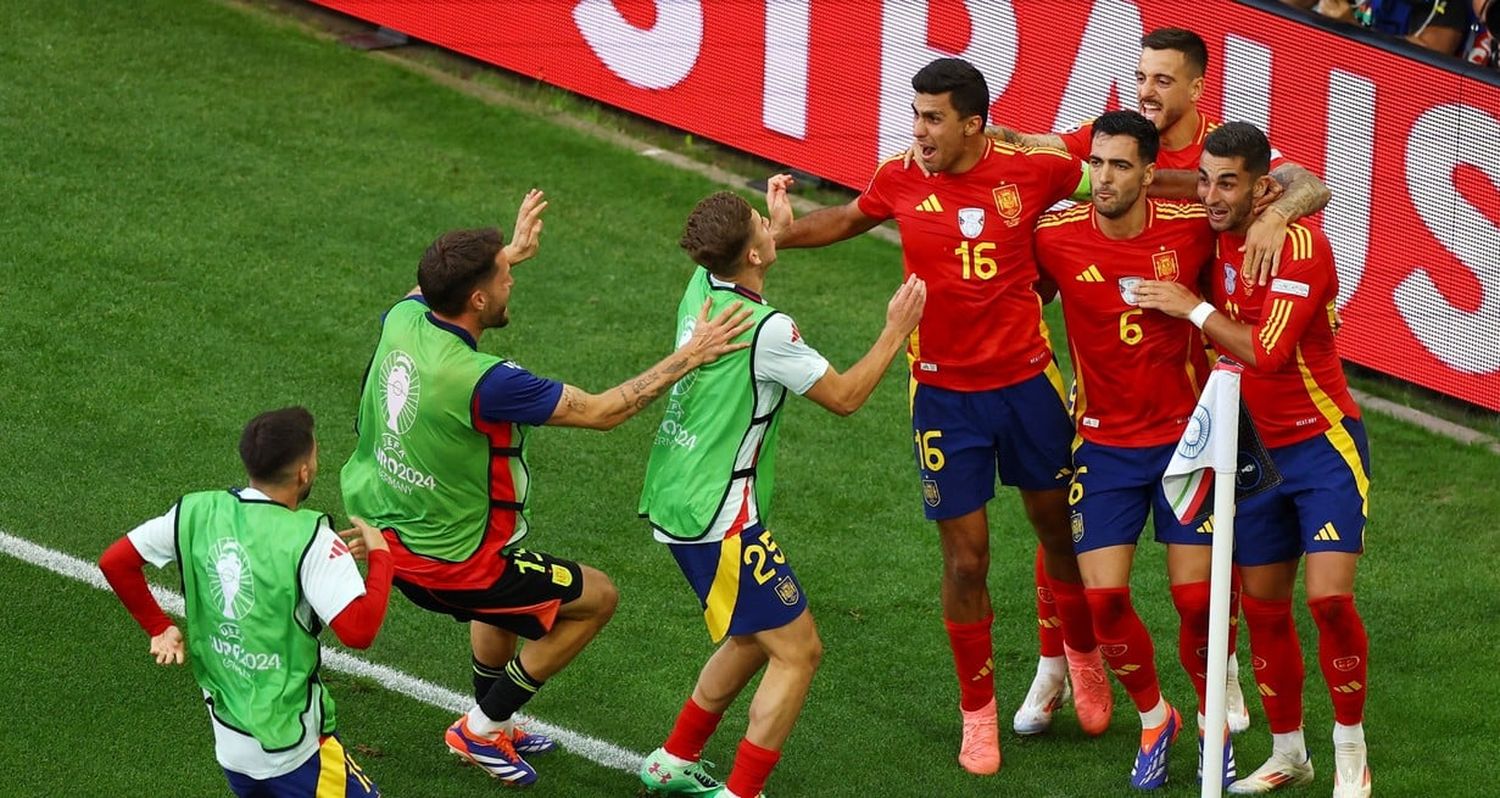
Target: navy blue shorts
column 1112, row 489
column 330, row 773
column 744, row 583
column 963, row 439
column 1320, row 505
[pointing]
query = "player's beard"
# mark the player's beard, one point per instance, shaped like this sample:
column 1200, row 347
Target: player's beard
column 1119, row 206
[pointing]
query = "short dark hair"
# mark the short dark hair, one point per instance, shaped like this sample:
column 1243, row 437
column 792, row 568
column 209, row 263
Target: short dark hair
column 1183, row 41
column 454, row 264
column 717, row 232
column 1132, row 124
column 970, row 93
column 273, row 440
column 1240, row 140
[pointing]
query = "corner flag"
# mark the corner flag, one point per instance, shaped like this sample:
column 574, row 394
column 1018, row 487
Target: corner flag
column 1206, row 463
column 1209, row 443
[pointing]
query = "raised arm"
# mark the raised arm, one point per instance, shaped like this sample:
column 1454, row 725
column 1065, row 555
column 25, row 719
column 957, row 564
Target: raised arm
column 1009, row 136
column 824, row 226
column 1302, row 194
column 847, row 392
column 602, row 411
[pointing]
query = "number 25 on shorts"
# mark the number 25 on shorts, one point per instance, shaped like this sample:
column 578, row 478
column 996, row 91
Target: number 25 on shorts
column 928, row 454
column 760, row 552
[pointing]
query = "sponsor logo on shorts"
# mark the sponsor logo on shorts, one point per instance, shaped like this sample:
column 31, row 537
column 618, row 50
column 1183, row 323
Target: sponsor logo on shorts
column 1044, row 595
column 1258, row 663
column 1346, row 664
column 787, row 591
column 1114, row 650
column 1077, row 519
column 930, row 493
column 561, row 576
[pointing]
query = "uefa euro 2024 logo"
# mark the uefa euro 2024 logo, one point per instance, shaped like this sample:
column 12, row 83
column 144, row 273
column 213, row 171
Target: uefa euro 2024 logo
column 230, row 582
column 398, row 378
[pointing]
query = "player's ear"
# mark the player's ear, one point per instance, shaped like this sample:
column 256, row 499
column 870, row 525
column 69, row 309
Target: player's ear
column 1150, row 175
column 974, row 125
column 1197, row 88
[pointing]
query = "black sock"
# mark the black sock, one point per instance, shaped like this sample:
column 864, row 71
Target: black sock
column 509, row 692
column 484, row 678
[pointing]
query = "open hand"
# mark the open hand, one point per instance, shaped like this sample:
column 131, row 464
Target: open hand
column 526, row 238
column 168, row 647
column 905, row 308
column 712, row 337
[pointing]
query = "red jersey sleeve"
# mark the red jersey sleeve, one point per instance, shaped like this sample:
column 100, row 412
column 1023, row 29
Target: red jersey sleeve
column 1062, row 172
column 1078, row 139
column 122, row 567
column 357, row 625
column 1295, row 297
column 874, row 202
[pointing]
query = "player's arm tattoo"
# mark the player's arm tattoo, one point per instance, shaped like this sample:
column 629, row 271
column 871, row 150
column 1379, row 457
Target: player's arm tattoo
column 572, row 399
column 1304, row 193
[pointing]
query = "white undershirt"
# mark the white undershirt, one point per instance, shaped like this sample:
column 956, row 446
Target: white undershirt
column 329, row 580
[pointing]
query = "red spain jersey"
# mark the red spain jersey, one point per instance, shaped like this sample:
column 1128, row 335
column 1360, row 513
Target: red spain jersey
column 1079, row 140
column 1137, row 373
column 969, row 237
column 1296, row 389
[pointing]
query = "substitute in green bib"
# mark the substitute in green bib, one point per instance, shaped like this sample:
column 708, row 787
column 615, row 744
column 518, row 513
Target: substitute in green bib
column 440, row 467
column 261, row 577
column 709, row 483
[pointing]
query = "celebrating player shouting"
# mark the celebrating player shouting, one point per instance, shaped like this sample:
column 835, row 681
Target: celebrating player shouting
column 708, row 493
column 440, row 466
column 1096, row 254
column 1169, row 82
column 987, row 393
column 1295, row 392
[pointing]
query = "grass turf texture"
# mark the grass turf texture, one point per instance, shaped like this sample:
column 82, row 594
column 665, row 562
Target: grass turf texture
column 206, row 216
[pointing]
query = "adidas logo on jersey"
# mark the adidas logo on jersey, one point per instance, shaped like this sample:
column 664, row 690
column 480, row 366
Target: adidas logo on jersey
column 930, row 205
column 1090, row 275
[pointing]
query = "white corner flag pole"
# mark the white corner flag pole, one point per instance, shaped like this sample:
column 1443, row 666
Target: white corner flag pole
column 1226, row 414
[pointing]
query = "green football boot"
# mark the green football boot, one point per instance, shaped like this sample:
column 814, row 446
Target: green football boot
column 661, row 777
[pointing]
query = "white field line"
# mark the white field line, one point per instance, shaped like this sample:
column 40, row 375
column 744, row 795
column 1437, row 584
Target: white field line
column 593, row 749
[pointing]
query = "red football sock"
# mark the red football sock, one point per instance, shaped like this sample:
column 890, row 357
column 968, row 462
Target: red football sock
column 1191, row 600
column 691, row 732
column 974, row 660
column 1125, row 644
column 1344, row 653
column 1276, row 654
column 1049, row 628
column 752, row 767
column 1077, row 621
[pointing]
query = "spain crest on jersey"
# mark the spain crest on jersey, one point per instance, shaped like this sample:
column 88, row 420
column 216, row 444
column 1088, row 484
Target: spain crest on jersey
column 1008, row 203
column 971, row 222
column 1165, row 264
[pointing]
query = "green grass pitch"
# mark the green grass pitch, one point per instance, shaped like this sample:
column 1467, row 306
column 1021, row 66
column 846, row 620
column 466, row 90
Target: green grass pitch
column 204, row 217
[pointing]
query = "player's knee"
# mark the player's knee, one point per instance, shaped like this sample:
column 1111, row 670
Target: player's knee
column 967, row 569
column 603, row 596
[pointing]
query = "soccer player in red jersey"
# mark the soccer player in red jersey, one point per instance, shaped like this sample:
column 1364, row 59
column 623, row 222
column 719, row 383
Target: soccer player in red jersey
column 987, row 394
column 1169, row 82
column 1137, row 379
column 1295, row 392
